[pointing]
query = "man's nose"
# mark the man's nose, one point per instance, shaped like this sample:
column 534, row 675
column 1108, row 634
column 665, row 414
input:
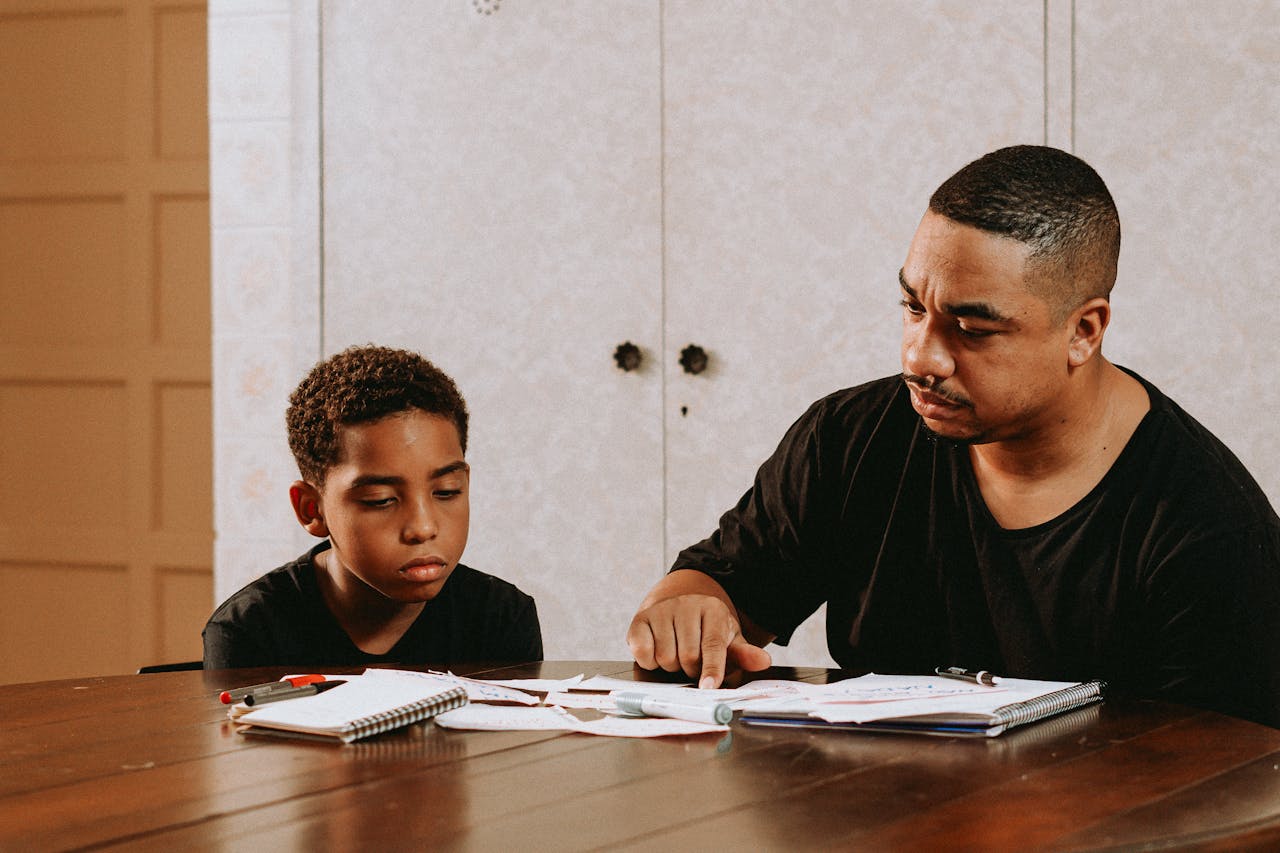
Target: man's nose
column 924, row 353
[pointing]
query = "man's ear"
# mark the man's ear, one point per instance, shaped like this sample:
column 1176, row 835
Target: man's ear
column 305, row 499
column 1089, row 323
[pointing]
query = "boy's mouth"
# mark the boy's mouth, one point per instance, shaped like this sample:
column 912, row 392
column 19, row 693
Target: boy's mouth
column 424, row 569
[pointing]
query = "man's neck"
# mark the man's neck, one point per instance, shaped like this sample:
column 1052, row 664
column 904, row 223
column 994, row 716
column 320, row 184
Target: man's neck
column 1034, row 478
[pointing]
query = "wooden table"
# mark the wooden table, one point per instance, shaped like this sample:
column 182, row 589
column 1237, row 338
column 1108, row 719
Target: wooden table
column 149, row 762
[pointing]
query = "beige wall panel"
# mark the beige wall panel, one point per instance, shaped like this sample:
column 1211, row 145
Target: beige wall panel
column 183, row 497
column 1177, row 107
column 64, row 82
column 66, row 444
column 264, row 104
column 181, row 56
column 62, row 271
column 63, row 621
column 182, row 605
column 181, row 273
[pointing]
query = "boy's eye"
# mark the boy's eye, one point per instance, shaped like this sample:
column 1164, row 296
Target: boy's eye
column 446, row 494
column 377, row 502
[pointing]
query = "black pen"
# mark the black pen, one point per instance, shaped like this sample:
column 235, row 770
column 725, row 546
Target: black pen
column 255, row 699
column 980, row 677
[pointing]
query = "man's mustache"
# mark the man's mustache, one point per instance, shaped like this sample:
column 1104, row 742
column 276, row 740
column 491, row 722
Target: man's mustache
column 931, row 385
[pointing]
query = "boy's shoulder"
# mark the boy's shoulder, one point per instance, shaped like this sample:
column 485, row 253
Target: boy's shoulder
column 290, row 583
column 468, row 586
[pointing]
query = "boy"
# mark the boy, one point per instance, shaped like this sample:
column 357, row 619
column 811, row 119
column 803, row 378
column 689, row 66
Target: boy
column 379, row 436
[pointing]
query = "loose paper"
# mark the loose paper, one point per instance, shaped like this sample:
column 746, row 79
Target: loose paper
column 506, row 718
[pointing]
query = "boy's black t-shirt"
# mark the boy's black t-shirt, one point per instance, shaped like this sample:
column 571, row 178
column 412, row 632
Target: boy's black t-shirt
column 281, row 619
column 1164, row 580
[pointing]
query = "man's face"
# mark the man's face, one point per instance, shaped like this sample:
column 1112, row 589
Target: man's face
column 396, row 504
column 981, row 355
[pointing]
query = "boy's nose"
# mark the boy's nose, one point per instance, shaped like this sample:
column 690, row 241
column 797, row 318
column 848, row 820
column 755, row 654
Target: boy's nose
column 420, row 525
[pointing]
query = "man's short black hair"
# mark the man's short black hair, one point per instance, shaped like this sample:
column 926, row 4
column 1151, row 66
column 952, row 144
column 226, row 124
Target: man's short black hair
column 1053, row 202
column 358, row 385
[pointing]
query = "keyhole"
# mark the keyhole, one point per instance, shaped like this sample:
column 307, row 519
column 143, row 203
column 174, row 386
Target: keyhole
column 684, row 411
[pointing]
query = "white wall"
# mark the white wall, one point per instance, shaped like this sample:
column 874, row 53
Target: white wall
column 555, row 177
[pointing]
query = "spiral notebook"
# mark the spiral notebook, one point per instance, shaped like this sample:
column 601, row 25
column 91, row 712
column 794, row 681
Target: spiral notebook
column 363, row 706
column 930, row 705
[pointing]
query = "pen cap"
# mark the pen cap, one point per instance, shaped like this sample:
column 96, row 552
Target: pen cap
column 722, row 713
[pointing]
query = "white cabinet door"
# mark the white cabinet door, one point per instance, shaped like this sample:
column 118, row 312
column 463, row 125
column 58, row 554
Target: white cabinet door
column 492, row 200
column 515, row 194
column 801, row 147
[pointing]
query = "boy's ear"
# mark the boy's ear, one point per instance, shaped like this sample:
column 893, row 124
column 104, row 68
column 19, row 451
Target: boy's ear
column 306, row 506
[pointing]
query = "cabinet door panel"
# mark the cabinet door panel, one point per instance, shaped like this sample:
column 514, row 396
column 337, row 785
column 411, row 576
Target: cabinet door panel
column 491, row 198
column 801, row 148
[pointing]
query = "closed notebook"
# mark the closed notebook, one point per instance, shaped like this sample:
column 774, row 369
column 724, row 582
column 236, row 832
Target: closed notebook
column 933, row 706
column 365, row 705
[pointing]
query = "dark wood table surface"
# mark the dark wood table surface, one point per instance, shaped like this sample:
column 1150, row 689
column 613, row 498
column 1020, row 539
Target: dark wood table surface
column 150, row 762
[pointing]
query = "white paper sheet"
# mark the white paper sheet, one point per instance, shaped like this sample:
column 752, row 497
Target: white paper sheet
column 477, row 690
column 507, row 718
column 594, row 701
column 539, row 685
column 646, row 727
column 605, row 683
column 545, row 718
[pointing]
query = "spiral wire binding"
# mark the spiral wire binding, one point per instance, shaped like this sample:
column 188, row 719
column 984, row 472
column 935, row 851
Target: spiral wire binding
column 1051, row 703
column 415, row 712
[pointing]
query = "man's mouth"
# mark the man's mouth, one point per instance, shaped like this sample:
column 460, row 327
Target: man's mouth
column 932, row 405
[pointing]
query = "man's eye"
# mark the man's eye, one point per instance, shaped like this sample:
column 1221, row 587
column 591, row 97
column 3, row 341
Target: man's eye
column 911, row 307
column 976, row 333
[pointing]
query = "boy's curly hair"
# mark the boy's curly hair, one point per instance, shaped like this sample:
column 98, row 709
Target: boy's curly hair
column 358, row 385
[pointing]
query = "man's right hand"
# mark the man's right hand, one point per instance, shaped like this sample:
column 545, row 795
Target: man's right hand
column 687, row 623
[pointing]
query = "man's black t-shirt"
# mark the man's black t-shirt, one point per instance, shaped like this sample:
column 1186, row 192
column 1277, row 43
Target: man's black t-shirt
column 281, row 619
column 1164, row 580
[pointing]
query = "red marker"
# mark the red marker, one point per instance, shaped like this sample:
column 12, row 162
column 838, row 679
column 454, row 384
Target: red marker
column 229, row 696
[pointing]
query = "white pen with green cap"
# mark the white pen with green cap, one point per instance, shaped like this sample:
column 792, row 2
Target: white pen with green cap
column 649, row 705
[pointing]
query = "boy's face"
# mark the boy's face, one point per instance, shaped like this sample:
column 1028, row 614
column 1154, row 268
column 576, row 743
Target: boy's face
column 395, row 505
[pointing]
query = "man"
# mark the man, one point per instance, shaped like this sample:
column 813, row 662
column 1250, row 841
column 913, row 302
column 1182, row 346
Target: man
column 1013, row 501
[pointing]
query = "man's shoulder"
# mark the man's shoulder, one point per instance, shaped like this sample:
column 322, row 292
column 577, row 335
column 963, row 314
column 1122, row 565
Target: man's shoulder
column 869, row 403
column 1188, row 460
column 876, row 392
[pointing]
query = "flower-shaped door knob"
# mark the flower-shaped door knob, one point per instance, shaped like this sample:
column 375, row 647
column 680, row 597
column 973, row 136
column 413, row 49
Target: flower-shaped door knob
column 693, row 359
column 628, row 356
